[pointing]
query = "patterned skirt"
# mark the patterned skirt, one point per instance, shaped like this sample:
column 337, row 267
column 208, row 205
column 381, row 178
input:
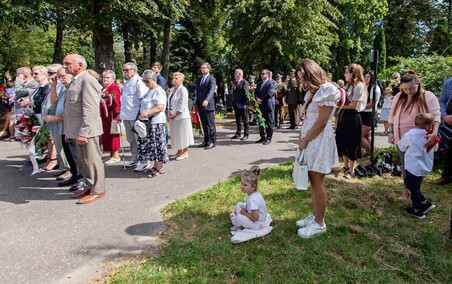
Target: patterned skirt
column 153, row 146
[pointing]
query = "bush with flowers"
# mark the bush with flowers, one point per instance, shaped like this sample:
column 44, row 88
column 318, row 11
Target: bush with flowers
column 30, row 131
column 253, row 108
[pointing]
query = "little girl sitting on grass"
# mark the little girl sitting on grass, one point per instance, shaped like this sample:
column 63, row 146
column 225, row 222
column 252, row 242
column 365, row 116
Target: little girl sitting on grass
column 252, row 214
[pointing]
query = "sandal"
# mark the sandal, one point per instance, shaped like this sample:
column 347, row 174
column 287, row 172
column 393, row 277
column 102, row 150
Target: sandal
column 150, row 170
column 344, row 169
column 155, row 172
column 349, row 175
column 47, row 168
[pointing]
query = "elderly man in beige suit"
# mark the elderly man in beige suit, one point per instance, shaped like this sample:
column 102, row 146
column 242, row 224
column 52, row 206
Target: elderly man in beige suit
column 82, row 124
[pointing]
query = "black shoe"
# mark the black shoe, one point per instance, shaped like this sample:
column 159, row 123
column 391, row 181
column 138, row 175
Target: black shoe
column 416, row 214
column 77, row 186
column 427, row 207
column 235, row 136
column 442, row 181
column 245, row 137
column 68, row 182
column 260, row 140
column 266, row 142
column 291, row 127
column 203, row 144
column 209, row 146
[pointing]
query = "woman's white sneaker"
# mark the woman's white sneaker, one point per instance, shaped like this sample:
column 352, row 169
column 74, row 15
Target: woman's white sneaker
column 311, row 230
column 306, row 221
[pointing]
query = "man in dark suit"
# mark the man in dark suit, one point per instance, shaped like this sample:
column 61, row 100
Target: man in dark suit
column 265, row 91
column 205, row 100
column 240, row 91
column 157, row 68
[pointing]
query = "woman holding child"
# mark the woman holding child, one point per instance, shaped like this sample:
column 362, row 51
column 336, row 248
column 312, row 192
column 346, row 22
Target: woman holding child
column 412, row 100
column 317, row 139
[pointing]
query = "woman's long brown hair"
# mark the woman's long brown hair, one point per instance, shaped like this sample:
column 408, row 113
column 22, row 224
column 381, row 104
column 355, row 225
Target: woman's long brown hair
column 417, row 100
column 312, row 74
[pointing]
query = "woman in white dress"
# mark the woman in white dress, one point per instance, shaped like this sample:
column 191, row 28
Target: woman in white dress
column 317, row 139
column 181, row 130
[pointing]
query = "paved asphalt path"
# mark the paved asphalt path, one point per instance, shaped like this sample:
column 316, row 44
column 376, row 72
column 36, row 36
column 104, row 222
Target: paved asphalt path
column 45, row 237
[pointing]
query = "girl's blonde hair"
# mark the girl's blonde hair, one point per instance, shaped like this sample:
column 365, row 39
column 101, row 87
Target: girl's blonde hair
column 252, row 175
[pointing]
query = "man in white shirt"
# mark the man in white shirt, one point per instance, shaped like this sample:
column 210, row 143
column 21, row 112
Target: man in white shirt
column 131, row 94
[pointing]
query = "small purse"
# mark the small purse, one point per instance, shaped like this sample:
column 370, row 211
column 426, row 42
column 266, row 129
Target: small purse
column 116, row 127
column 300, row 171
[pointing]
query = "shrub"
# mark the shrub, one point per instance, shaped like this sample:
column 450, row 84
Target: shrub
column 433, row 70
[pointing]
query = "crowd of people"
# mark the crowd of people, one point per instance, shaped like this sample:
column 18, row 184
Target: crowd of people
column 82, row 109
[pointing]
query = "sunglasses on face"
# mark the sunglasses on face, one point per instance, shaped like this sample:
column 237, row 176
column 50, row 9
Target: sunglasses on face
column 125, row 70
column 36, row 73
column 145, row 81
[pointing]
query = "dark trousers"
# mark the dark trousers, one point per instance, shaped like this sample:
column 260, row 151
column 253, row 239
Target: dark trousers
column 413, row 183
column 269, row 117
column 70, row 157
column 241, row 117
column 294, row 115
column 447, row 163
column 208, row 125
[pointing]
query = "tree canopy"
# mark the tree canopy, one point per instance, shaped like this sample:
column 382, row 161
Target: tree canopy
column 247, row 34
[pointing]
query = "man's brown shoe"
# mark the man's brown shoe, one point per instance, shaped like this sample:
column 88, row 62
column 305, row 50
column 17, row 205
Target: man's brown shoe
column 81, row 193
column 91, row 198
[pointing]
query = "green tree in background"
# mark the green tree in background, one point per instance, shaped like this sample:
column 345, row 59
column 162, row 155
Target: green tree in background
column 442, row 39
column 380, row 45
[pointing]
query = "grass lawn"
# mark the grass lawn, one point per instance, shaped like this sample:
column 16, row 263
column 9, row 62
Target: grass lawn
column 369, row 238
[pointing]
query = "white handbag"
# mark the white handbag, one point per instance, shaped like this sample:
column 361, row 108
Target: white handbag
column 300, row 171
column 116, row 127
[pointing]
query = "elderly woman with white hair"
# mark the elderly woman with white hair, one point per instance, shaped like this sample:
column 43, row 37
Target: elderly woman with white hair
column 110, row 106
column 179, row 116
column 41, row 104
column 152, row 147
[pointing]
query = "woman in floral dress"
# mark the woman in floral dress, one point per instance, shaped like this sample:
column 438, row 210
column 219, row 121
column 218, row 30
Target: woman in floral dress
column 317, row 140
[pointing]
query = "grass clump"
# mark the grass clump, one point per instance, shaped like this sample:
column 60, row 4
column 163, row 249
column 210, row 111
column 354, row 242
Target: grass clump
column 368, row 239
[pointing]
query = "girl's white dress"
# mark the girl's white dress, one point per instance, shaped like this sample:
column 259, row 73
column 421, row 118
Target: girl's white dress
column 321, row 153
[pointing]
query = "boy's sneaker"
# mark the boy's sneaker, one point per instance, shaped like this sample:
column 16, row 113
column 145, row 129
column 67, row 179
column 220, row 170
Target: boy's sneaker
column 417, row 214
column 306, row 221
column 311, row 230
column 427, row 206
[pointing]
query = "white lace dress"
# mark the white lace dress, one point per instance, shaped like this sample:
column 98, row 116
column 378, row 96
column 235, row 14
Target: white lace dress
column 321, row 153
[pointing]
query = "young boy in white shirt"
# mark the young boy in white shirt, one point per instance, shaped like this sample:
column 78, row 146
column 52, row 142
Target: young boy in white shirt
column 418, row 163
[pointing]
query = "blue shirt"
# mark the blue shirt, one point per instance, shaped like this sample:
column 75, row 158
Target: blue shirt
column 161, row 81
column 445, row 96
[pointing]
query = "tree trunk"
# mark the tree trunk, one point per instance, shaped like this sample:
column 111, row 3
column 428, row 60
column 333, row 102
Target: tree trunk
column 127, row 44
column 272, row 61
column 103, row 38
column 144, row 61
column 153, row 49
column 59, row 39
column 166, row 47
